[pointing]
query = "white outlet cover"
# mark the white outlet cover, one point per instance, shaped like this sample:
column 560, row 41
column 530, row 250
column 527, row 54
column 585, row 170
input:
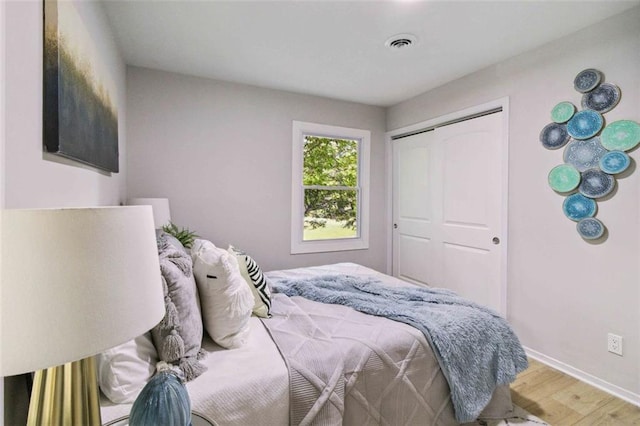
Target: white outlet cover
column 614, row 344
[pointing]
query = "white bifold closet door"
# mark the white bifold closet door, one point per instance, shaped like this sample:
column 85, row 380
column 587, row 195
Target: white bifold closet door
column 447, row 208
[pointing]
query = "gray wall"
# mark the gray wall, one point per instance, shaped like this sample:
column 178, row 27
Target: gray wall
column 3, row 59
column 564, row 294
column 221, row 153
column 33, row 178
column 28, row 177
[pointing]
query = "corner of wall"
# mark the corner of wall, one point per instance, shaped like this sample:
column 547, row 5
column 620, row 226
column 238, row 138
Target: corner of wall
column 3, row 61
column 3, row 37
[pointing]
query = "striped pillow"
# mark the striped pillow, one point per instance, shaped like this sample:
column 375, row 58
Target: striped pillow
column 253, row 275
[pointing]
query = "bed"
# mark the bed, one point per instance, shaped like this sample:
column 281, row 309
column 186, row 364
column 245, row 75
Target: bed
column 388, row 372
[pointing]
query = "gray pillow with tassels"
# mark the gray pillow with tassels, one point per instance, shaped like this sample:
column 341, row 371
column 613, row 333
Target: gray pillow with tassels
column 178, row 337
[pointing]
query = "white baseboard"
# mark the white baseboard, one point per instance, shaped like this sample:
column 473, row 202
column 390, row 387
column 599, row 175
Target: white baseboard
column 610, row 388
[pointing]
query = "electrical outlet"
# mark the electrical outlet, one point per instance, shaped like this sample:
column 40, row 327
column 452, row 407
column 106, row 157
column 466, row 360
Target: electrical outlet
column 614, row 344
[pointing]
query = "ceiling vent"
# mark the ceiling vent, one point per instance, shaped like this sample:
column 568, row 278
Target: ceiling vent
column 400, row 41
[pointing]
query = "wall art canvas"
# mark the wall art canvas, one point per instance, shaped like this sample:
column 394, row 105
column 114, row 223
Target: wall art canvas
column 80, row 118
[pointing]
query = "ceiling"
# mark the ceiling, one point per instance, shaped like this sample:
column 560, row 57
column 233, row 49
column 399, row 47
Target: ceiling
column 337, row 49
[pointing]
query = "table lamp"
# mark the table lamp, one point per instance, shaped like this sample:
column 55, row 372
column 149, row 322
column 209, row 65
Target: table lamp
column 73, row 283
column 160, row 206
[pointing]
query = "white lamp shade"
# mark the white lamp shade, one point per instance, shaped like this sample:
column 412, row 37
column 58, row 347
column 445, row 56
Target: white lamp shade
column 75, row 282
column 160, row 206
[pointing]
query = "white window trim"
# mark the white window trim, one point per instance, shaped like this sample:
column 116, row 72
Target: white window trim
column 298, row 245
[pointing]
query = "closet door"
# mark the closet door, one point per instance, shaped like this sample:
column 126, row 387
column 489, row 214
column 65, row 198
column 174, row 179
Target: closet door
column 413, row 252
column 448, row 199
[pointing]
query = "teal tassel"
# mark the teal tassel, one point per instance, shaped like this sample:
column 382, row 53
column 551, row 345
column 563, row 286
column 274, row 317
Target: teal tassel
column 163, row 401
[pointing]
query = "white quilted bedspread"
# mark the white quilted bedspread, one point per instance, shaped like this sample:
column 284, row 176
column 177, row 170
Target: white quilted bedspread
column 392, row 375
column 244, row 386
column 350, row 368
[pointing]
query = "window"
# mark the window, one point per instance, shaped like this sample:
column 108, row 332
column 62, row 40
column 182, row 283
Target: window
column 330, row 188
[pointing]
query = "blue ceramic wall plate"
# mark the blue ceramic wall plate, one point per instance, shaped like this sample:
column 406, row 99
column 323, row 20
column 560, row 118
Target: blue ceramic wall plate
column 562, row 112
column 596, row 184
column 587, row 80
column 577, row 207
column 590, row 228
column 614, row 162
column 554, row 136
column 585, row 124
column 602, row 99
column 584, row 154
column 621, row 135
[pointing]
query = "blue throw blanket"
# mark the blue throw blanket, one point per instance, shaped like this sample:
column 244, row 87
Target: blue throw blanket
column 475, row 347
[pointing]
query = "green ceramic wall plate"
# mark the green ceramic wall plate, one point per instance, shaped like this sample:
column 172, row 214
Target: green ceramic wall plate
column 622, row 135
column 564, row 178
column 562, row 112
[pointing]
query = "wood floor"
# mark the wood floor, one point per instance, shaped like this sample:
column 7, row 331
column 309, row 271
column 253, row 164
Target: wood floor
column 560, row 399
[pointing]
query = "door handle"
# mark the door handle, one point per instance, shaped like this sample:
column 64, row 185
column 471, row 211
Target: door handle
column 395, row 226
column 495, row 240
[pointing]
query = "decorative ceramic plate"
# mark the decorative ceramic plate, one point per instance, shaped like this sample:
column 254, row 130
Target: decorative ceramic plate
column 614, row 162
column 554, row 136
column 621, row 135
column 585, row 124
column 587, row 80
column 595, row 183
column 590, row 228
column 577, row 207
column 602, row 99
column 562, row 112
column 584, row 155
column 564, row 178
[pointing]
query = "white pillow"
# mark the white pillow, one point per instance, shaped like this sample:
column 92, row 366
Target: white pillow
column 124, row 370
column 225, row 298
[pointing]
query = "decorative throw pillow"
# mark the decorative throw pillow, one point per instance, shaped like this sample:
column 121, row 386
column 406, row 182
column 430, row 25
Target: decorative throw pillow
column 172, row 241
column 256, row 280
column 124, row 370
column 178, row 336
column 226, row 300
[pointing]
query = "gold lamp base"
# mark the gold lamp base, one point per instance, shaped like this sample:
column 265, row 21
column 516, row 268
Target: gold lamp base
column 66, row 395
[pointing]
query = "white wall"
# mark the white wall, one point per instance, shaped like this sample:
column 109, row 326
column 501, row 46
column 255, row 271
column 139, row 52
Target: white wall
column 564, row 294
column 34, row 178
column 221, row 153
column 3, row 37
column 3, row 61
column 28, row 177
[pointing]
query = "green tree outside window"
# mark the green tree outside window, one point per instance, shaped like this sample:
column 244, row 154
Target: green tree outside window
column 330, row 181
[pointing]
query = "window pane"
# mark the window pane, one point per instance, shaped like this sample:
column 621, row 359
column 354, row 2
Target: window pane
column 330, row 214
column 330, row 162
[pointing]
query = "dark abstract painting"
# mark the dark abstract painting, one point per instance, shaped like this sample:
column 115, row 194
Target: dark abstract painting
column 79, row 114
